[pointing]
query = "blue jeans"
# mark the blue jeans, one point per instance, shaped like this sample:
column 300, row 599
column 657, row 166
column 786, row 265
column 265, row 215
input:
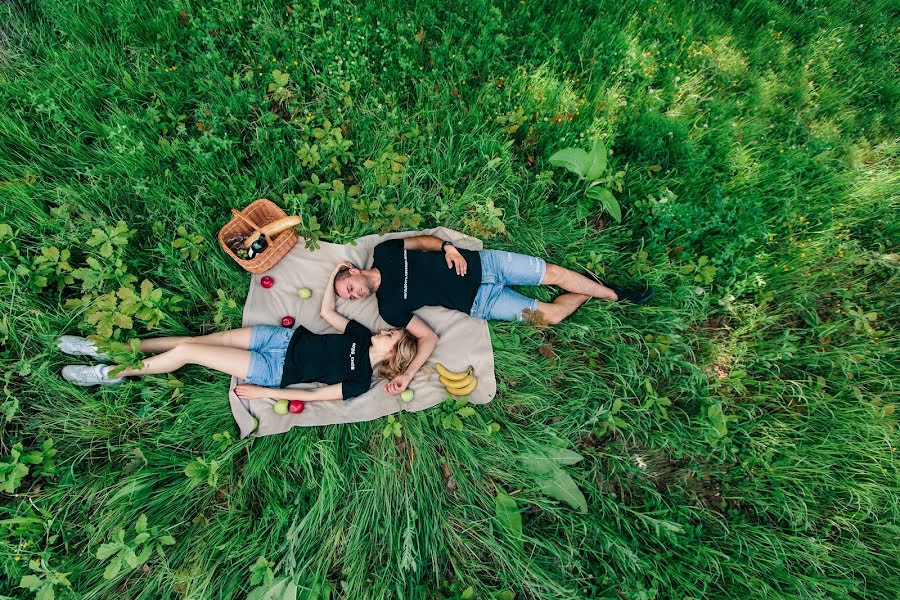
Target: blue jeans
column 499, row 269
column 268, row 349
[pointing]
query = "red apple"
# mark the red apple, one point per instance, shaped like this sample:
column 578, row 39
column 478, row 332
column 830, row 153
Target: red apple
column 296, row 406
column 267, row 282
column 287, row 321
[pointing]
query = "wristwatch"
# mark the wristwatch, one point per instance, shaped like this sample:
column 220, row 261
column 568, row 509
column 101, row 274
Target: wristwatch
column 444, row 245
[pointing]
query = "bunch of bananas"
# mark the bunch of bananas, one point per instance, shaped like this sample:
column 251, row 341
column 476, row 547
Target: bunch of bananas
column 458, row 384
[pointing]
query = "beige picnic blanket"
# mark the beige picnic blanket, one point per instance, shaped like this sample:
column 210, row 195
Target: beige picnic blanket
column 464, row 340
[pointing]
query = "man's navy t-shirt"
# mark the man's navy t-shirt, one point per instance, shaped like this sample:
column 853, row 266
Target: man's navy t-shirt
column 330, row 358
column 411, row 279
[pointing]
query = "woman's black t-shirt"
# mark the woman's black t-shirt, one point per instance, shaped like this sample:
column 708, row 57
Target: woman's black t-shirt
column 330, row 358
column 411, row 279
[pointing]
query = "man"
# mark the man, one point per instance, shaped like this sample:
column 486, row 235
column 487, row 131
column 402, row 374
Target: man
column 424, row 270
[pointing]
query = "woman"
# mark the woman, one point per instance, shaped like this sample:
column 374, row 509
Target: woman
column 270, row 358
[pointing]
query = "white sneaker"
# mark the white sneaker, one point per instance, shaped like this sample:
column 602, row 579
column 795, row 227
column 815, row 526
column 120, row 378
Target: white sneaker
column 79, row 346
column 87, row 375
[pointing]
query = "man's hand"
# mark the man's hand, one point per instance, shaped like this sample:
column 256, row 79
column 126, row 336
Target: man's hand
column 340, row 266
column 247, row 391
column 397, row 384
column 455, row 260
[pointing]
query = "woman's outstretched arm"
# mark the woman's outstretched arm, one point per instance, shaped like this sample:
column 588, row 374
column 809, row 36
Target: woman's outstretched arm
column 329, row 301
column 328, row 392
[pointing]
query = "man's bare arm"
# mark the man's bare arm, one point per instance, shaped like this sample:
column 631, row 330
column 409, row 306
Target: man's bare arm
column 430, row 243
column 328, row 310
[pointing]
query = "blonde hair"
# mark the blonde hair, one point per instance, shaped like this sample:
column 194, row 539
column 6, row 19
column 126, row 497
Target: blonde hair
column 400, row 357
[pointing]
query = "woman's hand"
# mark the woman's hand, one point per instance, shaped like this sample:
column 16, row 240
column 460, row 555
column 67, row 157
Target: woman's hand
column 247, row 391
column 397, row 384
column 455, row 260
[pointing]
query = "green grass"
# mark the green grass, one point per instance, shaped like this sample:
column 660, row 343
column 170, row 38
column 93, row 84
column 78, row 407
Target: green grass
column 762, row 135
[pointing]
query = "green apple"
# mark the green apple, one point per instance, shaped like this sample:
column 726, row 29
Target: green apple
column 304, row 293
column 255, row 424
column 407, row 395
column 281, row 407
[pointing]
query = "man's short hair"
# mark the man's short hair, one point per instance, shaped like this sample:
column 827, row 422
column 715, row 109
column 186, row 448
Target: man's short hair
column 341, row 275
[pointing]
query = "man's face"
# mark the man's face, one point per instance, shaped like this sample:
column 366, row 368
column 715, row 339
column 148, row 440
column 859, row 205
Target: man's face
column 354, row 286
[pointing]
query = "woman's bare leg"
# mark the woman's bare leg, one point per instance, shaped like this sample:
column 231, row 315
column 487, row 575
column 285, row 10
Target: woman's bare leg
column 233, row 338
column 233, row 361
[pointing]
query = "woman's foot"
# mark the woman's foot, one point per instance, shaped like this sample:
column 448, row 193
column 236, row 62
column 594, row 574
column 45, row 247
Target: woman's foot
column 88, row 375
column 79, row 346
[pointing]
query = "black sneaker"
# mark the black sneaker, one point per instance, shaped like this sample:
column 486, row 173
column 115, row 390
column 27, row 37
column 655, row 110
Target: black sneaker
column 633, row 295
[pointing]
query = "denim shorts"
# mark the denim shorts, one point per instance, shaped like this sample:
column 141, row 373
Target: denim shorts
column 494, row 300
column 268, row 349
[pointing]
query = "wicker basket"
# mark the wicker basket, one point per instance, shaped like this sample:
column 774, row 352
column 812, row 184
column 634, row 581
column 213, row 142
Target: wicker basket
column 258, row 214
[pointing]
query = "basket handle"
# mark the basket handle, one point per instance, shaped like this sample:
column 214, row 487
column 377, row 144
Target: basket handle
column 245, row 219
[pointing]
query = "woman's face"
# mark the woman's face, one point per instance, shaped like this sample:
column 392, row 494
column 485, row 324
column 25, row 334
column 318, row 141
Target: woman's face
column 385, row 339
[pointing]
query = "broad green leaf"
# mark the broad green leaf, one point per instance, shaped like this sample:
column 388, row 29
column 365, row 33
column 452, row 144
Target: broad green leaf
column 144, row 555
column 573, row 159
column 15, row 477
column 196, row 469
column 507, row 512
column 281, row 588
column 45, row 593
column 123, row 321
column 167, row 540
column 141, row 538
column 113, row 568
column 538, row 464
column 213, row 478
column 141, row 525
column 562, row 456
column 607, row 200
column 716, row 418
column 30, row 582
column 596, row 161
column 562, row 487
column 466, row 411
column 129, row 557
column 107, row 550
column 33, row 457
column 97, row 237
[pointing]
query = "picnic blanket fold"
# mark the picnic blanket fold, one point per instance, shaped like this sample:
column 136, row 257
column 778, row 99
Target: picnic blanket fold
column 464, row 340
